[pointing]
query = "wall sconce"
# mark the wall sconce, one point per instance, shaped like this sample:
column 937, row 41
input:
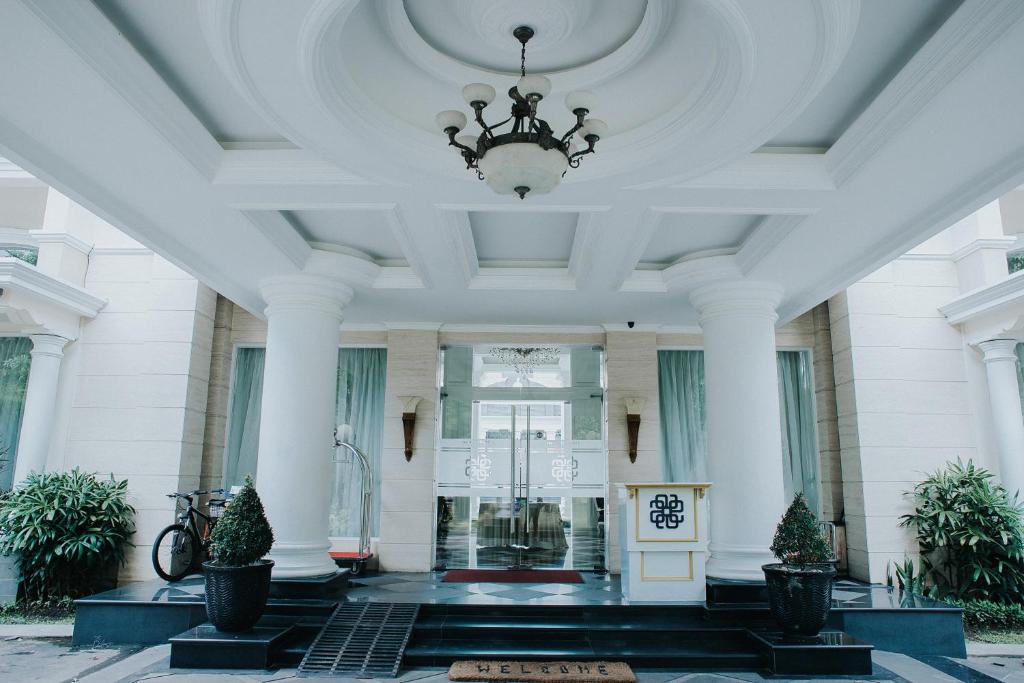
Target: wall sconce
column 634, row 406
column 409, row 404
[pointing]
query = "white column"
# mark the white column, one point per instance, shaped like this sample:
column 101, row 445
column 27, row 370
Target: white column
column 40, row 404
column 744, row 439
column 1004, row 394
column 294, row 470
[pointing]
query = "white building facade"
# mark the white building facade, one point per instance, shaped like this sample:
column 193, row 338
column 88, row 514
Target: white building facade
column 163, row 382
column 682, row 306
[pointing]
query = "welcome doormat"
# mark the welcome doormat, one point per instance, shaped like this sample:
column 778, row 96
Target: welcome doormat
column 542, row 672
column 512, row 576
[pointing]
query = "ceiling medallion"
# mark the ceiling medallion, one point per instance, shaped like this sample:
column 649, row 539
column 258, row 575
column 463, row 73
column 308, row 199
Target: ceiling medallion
column 527, row 158
column 523, row 360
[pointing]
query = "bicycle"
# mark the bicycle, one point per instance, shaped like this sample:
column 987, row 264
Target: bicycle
column 180, row 547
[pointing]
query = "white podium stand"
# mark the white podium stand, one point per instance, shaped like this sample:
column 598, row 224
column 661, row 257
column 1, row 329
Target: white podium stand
column 663, row 538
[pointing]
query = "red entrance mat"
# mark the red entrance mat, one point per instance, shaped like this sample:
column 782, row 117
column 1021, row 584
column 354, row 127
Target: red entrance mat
column 512, row 576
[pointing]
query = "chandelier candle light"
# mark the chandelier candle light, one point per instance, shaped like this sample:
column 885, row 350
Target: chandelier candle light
column 527, row 158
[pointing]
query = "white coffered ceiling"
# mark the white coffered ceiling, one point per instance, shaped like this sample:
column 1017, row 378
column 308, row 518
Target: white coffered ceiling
column 812, row 139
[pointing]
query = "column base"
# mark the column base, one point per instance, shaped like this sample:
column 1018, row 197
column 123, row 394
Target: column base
column 738, row 562
column 301, row 560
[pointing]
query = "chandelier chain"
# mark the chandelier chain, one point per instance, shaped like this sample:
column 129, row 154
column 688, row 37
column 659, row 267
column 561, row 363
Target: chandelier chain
column 522, row 60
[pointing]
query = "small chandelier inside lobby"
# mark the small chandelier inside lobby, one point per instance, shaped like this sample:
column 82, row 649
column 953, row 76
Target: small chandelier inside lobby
column 528, row 157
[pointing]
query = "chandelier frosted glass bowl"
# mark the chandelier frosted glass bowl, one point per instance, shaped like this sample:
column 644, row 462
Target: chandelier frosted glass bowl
column 528, row 158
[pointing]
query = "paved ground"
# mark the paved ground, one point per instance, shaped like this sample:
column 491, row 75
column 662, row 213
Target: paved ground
column 55, row 661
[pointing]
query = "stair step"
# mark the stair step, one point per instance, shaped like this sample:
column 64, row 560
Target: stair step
column 724, row 655
column 466, row 627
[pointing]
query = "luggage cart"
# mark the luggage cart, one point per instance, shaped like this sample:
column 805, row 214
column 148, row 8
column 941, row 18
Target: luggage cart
column 356, row 561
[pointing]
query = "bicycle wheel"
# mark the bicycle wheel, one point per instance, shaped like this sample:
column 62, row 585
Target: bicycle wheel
column 173, row 552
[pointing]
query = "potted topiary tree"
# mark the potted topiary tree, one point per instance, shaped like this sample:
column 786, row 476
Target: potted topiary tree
column 237, row 576
column 800, row 586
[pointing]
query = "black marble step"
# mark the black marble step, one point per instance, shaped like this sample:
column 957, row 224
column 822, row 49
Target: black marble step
column 301, row 607
column 710, row 654
column 317, row 587
column 204, row 647
column 526, row 627
column 727, row 591
column 831, row 653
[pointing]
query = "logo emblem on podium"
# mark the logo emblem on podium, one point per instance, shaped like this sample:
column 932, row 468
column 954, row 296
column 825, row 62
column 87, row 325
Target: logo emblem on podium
column 667, row 511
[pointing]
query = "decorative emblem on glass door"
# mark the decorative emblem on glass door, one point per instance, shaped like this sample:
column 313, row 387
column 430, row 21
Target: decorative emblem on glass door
column 564, row 470
column 478, row 467
column 667, row 511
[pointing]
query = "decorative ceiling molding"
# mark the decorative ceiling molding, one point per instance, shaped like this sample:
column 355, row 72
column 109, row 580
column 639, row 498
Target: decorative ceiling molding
column 585, row 242
column 83, row 27
column 397, row 277
column 835, row 26
column 523, row 278
column 459, row 235
column 767, row 236
column 400, row 231
column 652, row 281
column 485, row 328
column 767, row 171
column 282, row 234
column 965, row 36
column 447, row 69
column 353, row 270
column 280, row 167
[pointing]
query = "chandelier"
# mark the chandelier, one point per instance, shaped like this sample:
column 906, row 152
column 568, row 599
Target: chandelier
column 523, row 360
column 528, row 157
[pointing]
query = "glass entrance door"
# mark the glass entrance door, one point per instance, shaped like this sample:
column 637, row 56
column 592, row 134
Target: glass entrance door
column 520, row 493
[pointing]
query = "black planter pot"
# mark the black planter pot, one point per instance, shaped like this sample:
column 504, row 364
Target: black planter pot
column 236, row 596
column 800, row 597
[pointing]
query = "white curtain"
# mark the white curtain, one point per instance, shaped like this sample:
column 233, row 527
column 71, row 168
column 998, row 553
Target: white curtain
column 683, row 441
column 799, row 435
column 361, row 383
column 681, row 397
column 244, row 417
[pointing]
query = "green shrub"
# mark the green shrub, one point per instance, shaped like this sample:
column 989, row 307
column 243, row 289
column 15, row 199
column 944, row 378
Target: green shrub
column 988, row 614
column 68, row 529
column 242, row 535
column 970, row 535
column 798, row 539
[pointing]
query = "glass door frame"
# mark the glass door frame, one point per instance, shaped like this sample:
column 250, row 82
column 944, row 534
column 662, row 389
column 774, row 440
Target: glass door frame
column 596, row 448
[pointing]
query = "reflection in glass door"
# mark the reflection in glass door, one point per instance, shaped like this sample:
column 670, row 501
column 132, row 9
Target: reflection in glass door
column 521, row 492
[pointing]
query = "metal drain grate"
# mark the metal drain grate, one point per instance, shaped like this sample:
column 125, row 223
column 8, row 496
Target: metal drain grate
column 361, row 639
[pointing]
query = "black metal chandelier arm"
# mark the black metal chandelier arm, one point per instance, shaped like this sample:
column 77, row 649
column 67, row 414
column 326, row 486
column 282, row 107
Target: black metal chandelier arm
column 580, row 114
column 454, row 143
column 488, row 130
column 491, row 129
column 588, row 150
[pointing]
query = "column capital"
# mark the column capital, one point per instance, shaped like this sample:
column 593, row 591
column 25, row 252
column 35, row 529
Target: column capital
column 305, row 291
column 718, row 287
column 736, row 297
column 48, row 345
column 998, row 350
